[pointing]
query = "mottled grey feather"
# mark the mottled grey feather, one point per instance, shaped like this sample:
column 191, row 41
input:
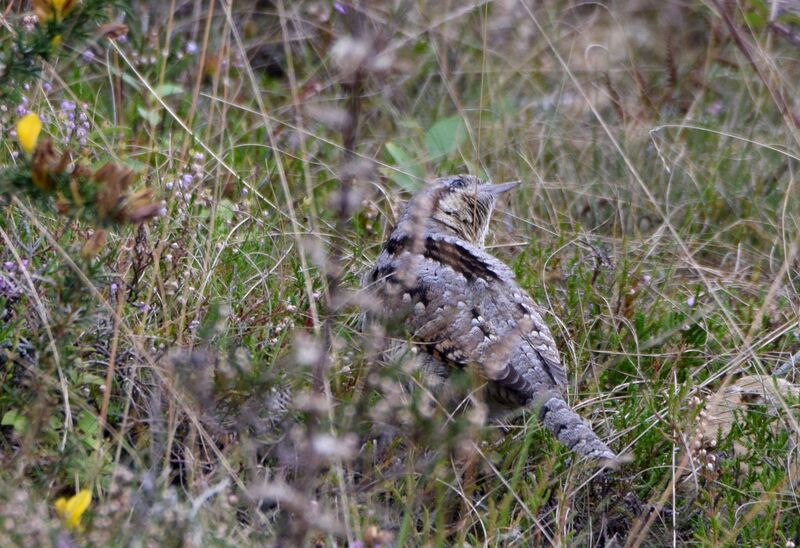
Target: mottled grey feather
column 463, row 306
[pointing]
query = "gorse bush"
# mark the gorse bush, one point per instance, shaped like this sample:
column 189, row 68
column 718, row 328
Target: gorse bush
column 39, row 35
column 191, row 192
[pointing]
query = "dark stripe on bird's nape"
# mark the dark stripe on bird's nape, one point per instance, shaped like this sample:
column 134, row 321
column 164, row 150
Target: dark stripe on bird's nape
column 459, row 259
column 449, row 254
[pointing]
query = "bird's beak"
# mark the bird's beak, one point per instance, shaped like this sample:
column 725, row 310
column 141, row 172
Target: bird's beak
column 499, row 188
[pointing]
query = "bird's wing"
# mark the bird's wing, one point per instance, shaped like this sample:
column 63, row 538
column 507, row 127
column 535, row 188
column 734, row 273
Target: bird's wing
column 541, row 340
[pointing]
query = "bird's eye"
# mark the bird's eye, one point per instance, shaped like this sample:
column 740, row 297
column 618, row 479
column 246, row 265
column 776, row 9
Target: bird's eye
column 457, row 183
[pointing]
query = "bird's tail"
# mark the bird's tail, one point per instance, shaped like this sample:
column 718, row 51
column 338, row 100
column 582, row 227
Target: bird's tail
column 572, row 431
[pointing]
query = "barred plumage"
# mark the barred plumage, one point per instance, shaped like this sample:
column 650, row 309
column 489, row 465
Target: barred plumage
column 464, row 307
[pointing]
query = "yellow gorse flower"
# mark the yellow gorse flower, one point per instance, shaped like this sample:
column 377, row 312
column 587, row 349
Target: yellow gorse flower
column 70, row 510
column 28, row 128
column 53, row 10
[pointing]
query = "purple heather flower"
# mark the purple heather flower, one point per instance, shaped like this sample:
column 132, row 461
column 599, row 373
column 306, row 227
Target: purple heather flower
column 191, row 48
column 113, row 288
column 8, row 265
column 8, row 289
column 21, row 110
column 87, row 56
column 47, row 87
column 339, row 7
column 715, row 108
column 29, row 23
column 68, row 105
column 186, row 180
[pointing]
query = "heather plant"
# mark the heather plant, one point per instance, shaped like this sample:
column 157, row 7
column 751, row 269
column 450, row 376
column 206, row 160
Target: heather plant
column 192, row 191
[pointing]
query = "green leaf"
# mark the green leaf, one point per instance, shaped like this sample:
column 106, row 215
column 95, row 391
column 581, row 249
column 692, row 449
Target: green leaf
column 215, row 320
column 756, row 16
column 410, row 175
column 131, row 81
column 87, row 423
column 16, row 419
column 225, row 210
column 90, row 378
column 445, row 136
column 398, row 154
column 165, row 90
column 152, row 116
column 789, row 18
column 755, row 20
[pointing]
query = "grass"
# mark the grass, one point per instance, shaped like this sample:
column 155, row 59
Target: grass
column 204, row 374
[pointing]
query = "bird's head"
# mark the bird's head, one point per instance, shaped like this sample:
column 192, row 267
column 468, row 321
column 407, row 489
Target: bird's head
column 460, row 204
